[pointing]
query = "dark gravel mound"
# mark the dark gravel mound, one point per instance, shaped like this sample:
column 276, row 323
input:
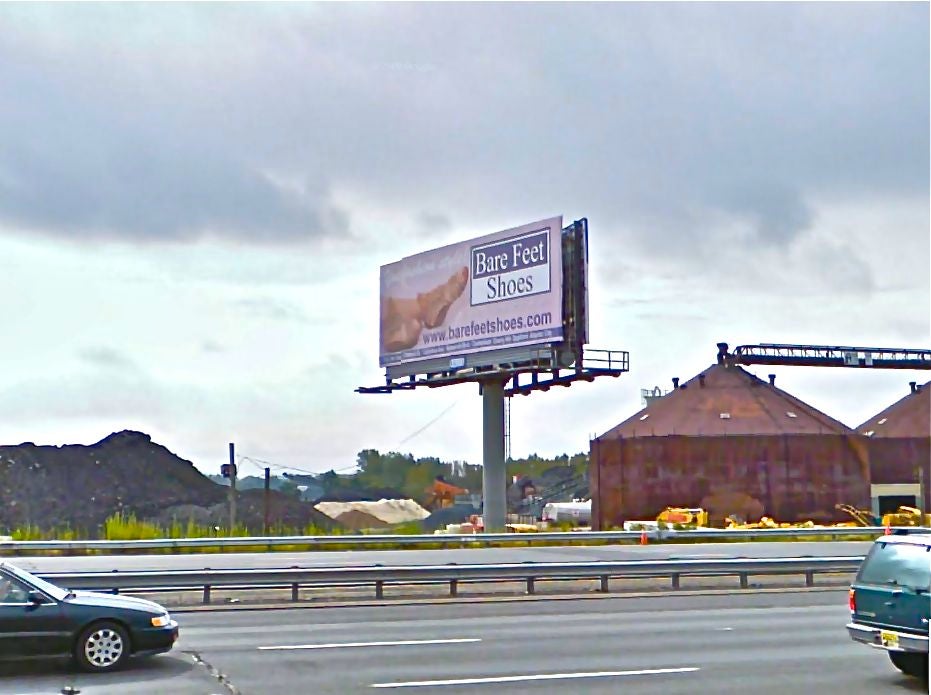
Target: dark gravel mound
column 80, row 486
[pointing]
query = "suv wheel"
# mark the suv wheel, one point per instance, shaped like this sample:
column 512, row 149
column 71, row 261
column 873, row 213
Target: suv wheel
column 911, row 663
column 102, row 647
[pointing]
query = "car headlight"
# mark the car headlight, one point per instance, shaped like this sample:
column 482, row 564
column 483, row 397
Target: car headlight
column 160, row 620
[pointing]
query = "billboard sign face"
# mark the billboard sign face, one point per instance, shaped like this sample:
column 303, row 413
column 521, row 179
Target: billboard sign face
column 498, row 291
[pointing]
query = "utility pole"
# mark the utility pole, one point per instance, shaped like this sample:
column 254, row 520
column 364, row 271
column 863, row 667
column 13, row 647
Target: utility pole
column 265, row 499
column 232, row 490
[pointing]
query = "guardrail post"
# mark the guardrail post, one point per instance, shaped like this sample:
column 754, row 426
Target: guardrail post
column 675, row 580
column 206, row 593
column 379, row 589
column 744, row 580
column 530, row 585
column 453, row 587
column 294, row 588
column 810, row 578
column 604, row 584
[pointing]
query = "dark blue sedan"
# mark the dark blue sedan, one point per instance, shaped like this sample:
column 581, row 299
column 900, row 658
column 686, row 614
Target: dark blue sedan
column 39, row 620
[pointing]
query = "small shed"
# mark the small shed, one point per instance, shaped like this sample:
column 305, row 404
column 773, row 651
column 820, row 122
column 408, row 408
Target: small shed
column 899, row 444
column 733, row 443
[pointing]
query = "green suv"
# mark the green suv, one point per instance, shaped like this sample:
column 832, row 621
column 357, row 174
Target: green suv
column 890, row 604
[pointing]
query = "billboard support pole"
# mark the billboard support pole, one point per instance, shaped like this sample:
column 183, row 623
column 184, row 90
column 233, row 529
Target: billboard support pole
column 494, row 473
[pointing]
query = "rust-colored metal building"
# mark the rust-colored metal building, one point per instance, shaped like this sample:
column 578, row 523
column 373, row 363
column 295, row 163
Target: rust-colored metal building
column 726, row 437
column 899, row 443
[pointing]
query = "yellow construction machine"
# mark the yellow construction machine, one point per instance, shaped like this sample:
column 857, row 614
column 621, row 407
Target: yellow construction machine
column 764, row 522
column 862, row 517
column 906, row 516
column 684, row 516
column 903, row 516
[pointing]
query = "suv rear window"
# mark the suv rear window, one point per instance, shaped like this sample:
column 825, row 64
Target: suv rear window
column 904, row 564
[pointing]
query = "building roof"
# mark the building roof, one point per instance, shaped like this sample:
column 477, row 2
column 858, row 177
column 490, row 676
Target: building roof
column 908, row 417
column 727, row 400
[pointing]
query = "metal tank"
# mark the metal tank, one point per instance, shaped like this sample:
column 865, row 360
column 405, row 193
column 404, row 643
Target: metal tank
column 728, row 439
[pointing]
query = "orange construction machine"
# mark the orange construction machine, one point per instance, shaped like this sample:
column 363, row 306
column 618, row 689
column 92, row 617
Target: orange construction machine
column 442, row 494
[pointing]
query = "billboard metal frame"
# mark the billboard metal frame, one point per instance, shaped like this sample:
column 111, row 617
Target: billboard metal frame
column 562, row 362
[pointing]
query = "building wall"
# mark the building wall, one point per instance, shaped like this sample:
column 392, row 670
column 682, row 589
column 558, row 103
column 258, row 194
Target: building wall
column 897, row 460
column 793, row 477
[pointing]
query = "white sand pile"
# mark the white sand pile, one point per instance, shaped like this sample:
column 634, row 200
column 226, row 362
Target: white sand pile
column 389, row 511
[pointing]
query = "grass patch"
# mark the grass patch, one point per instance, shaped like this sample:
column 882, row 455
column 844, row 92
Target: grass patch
column 127, row 527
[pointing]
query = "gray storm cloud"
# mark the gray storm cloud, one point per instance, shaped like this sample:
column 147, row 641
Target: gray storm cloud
column 666, row 120
column 107, row 358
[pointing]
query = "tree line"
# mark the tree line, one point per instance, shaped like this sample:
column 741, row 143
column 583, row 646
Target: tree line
column 411, row 476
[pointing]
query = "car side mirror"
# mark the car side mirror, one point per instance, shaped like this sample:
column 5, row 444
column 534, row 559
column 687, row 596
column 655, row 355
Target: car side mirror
column 36, row 598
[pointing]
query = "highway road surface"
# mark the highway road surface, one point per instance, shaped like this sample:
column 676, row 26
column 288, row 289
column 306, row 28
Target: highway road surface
column 440, row 557
column 759, row 643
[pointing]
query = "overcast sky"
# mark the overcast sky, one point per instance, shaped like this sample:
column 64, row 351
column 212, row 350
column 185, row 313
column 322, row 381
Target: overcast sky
column 195, row 202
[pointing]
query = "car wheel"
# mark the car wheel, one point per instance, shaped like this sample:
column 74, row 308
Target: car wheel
column 102, row 647
column 911, row 663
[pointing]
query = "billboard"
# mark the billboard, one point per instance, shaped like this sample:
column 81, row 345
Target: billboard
column 497, row 291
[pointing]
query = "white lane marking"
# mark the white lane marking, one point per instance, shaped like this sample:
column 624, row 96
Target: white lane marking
column 400, row 643
column 538, row 677
column 723, row 629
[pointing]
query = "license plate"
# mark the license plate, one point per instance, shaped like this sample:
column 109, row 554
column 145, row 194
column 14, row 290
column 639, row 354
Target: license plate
column 889, row 639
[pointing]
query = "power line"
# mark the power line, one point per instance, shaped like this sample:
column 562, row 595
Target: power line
column 414, row 434
column 278, row 466
column 260, row 462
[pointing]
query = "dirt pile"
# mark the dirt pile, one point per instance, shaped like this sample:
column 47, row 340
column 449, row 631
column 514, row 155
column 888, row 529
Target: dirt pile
column 358, row 521
column 80, row 486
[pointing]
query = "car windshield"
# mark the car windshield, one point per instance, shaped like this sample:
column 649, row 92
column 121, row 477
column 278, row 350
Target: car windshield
column 56, row 592
column 902, row 564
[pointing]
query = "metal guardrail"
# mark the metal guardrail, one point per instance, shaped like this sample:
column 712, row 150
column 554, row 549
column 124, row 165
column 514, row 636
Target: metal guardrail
column 477, row 539
column 453, row 574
